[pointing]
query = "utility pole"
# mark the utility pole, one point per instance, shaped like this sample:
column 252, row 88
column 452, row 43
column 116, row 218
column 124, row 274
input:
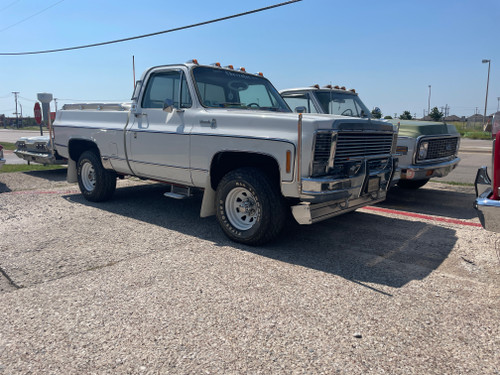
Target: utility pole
column 487, row 85
column 55, row 102
column 17, row 117
column 429, row 101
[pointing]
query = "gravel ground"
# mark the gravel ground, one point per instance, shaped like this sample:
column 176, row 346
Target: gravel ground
column 142, row 285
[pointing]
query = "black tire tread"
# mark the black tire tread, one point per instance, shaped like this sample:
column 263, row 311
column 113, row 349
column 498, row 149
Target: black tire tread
column 105, row 180
column 271, row 198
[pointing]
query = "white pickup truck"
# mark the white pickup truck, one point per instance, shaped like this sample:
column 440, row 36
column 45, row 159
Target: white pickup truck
column 230, row 134
column 425, row 149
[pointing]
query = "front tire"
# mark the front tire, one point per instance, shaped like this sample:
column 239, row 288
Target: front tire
column 412, row 184
column 250, row 209
column 96, row 183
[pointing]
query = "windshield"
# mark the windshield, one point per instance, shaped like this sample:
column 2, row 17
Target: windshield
column 337, row 103
column 221, row 88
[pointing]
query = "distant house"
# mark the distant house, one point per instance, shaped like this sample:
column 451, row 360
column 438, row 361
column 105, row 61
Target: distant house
column 452, row 118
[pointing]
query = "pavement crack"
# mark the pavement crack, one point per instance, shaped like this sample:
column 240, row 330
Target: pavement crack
column 11, row 282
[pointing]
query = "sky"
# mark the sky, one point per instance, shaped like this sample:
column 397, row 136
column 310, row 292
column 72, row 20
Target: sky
column 390, row 51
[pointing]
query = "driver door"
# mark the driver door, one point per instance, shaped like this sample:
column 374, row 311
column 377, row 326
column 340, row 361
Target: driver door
column 158, row 141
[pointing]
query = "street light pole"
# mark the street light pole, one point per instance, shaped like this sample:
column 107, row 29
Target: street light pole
column 487, row 86
column 429, row 102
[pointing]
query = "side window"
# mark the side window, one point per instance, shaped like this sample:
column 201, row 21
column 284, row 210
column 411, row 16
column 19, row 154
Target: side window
column 300, row 100
column 165, row 86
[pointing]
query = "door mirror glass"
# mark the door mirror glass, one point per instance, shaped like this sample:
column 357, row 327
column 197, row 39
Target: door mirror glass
column 168, row 105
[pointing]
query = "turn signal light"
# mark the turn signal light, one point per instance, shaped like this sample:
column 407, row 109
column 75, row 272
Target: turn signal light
column 288, row 161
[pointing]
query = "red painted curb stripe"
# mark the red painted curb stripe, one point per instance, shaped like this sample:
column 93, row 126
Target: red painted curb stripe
column 420, row 216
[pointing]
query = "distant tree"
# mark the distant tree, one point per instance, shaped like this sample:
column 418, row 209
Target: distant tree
column 376, row 112
column 388, row 117
column 405, row 116
column 435, row 114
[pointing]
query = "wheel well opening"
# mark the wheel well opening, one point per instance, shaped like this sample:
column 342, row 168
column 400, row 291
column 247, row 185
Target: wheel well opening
column 225, row 162
column 78, row 146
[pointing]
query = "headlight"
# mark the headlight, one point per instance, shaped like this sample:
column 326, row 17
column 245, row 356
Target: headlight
column 422, row 150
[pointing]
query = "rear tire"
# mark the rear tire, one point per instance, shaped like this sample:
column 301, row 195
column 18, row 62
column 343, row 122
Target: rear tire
column 96, row 183
column 412, row 184
column 250, row 209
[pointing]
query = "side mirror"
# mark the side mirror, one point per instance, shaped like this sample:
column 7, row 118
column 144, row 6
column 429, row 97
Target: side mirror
column 168, row 105
column 301, row 109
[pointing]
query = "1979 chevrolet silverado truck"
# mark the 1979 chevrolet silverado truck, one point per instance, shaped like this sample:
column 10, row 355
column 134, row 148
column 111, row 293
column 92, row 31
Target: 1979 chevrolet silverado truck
column 425, row 149
column 229, row 133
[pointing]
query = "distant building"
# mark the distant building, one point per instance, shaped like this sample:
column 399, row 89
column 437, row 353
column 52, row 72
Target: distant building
column 452, row 118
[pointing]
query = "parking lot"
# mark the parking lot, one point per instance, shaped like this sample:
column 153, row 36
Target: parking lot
column 141, row 284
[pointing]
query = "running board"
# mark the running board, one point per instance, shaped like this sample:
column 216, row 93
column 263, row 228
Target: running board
column 177, row 192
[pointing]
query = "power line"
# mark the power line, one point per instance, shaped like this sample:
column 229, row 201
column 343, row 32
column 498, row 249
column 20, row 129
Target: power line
column 151, row 34
column 8, row 6
column 33, row 15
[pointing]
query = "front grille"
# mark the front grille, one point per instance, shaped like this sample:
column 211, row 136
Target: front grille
column 440, row 148
column 361, row 145
column 322, row 147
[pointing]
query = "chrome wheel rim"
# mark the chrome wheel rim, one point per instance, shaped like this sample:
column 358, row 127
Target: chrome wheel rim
column 88, row 176
column 241, row 208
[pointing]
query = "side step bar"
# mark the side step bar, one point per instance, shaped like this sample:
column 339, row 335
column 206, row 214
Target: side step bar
column 177, row 192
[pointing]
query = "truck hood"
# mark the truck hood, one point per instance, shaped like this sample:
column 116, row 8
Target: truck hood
column 414, row 129
column 273, row 121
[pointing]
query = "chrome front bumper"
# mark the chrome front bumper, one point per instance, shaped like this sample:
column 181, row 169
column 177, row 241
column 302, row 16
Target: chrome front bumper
column 323, row 198
column 488, row 210
column 425, row 171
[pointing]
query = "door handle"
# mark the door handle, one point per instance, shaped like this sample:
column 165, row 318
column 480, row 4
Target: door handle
column 212, row 123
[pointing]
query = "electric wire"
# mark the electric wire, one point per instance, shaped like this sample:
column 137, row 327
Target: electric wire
column 30, row 17
column 151, row 34
column 8, row 6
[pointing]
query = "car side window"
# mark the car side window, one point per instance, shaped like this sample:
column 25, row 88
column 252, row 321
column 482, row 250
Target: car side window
column 164, row 86
column 295, row 100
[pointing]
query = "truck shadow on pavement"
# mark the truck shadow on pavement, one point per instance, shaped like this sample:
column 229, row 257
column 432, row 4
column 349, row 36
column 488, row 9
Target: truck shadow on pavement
column 360, row 247
column 453, row 204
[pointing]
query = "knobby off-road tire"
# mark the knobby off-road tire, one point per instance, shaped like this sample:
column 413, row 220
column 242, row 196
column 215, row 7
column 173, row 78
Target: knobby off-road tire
column 96, row 183
column 250, row 209
column 412, row 184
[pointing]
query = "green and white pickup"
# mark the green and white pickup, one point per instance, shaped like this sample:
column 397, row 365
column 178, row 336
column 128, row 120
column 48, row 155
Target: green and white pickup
column 425, row 149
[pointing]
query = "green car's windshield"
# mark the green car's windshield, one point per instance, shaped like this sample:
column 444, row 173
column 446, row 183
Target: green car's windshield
column 222, row 88
column 336, row 103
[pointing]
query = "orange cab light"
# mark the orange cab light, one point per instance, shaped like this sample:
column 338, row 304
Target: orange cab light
column 337, row 87
column 352, row 90
column 315, row 86
column 261, row 74
column 243, row 69
column 194, row 61
column 229, row 67
column 217, row 64
column 328, row 86
column 343, row 88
